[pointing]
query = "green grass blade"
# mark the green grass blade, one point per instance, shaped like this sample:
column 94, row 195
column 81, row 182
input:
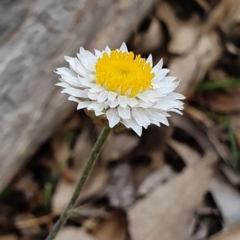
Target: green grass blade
column 210, row 85
column 233, row 143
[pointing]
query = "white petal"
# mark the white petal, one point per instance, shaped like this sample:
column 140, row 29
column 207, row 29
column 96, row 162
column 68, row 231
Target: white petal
column 89, row 65
column 176, row 111
column 107, row 49
column 122, row 101
column 134, row 126
column 166, row 86
column 158, row 67
column 96, row 89
column 87, row 55
column 166, row 104
column 63, row 84
column 163, row 89
column 71, row 98
column 154, row 94
column 155, row 123
column 81, row 68
column 68, row 76
column 123, row 47
column 63, row 71
column 168, row 78
column 132, row 102
column 112, row 96
column 97, row 113
column 93, row 96
column 145, row 96
column 124, row 112
column 150, row 60
column 96, row 106
column 76, row 66
column 140, row 116
column 86, row 82
column 113, row 117
column 103, row 95
column 114, row 103
column 174, row 95
column 119, row 90
column 87, row 59
column 161, row 75
column 73, row 81
column 156, row 116
column 83, row 105
column 98, row 53
column 75, row 92
column 128, row 92
column 144, row 104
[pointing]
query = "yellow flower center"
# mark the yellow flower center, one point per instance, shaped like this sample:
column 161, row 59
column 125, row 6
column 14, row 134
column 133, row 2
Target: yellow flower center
column 124, row 72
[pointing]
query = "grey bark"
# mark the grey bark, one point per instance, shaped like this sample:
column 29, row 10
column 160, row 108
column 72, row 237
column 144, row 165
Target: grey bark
column 34, row 37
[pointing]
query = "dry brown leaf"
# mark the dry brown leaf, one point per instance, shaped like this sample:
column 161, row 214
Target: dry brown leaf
column 188, row 155
column 225, row 15
column 117, row 145
column 227, row 200
column 201, row 233
column 148, row 156
column 192, row 67
column 114, row 227
column 82, row 148
column 75, row 233
column 150, row 40
column 168, row 211
column 94, row 184
column 64, row 189
column 232, row 233
column 193, row 130
column 220, row 102
column 154, row 179
column 199, row 50
column 204, row 4
column 184, row 35
column 120, row 186
column 231, row 173
column 9, row 237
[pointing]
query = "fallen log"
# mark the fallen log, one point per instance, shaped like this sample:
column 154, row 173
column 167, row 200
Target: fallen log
column 34, row 37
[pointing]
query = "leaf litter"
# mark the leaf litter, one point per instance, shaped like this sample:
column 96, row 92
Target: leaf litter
column 174, row 183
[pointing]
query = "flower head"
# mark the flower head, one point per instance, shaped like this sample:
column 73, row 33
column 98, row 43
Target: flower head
column 122, row 87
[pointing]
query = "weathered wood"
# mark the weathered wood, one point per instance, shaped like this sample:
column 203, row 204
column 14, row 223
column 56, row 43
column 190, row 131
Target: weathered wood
column 34, row 37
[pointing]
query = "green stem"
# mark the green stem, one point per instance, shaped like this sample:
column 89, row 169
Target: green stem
column 87, row 169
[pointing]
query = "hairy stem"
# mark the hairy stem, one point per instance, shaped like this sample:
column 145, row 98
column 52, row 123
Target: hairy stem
column 86, row 172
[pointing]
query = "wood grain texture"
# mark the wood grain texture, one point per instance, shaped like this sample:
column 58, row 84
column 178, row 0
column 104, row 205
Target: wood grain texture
column 34, row 37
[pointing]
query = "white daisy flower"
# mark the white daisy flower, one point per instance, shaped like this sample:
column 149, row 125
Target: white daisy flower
column 123, row 87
